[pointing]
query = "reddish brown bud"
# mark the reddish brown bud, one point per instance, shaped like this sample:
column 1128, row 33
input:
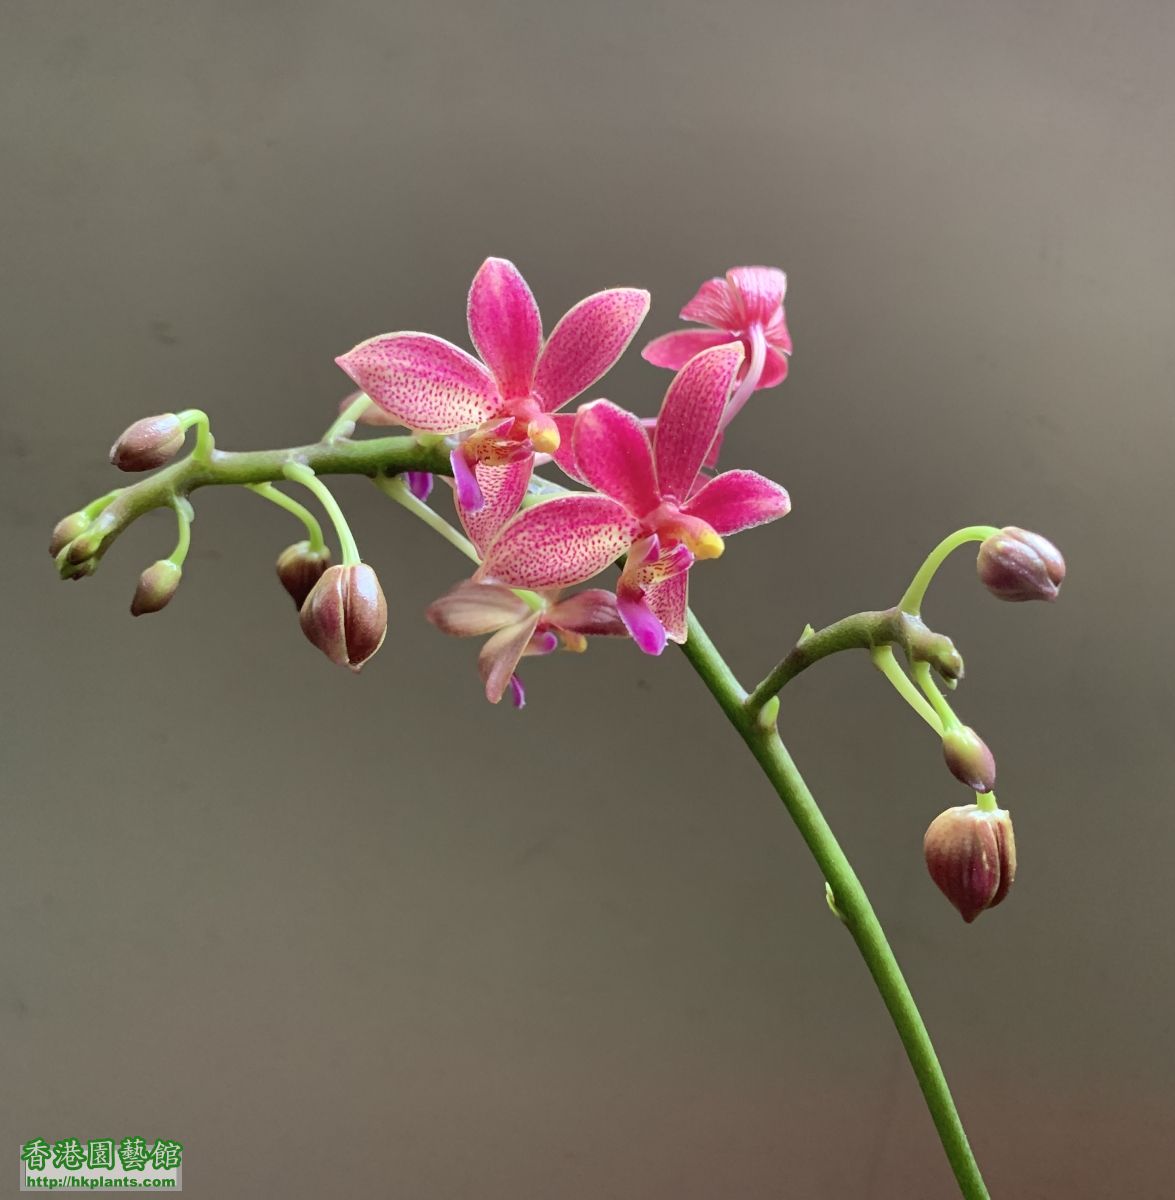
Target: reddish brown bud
column 1015, row 564
column 148, row 443
column 299, row 568
column 971, row 855
column 968, row 758
column 66, row 530
column 157, row 584
column 345, row 615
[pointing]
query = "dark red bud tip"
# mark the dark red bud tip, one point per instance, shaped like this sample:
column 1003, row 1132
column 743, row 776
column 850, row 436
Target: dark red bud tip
column 148, row 443
column 971, row 856
column 66, row 530
column 345, row 615
column 157, row 584
column 968, row 758
column 1015, row 564
column 299, row 568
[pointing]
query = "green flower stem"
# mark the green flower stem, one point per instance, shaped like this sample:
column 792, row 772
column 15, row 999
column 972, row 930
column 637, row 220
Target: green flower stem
column 862, row 631
column 374, row 456
column 938, row 701
column 315, row 540
column 886, row 662
column 300, row 473
column 848, row 900
column 911, row 602
column 344, row 425
column 184, row 517
column 396, row 489
column 204, row 443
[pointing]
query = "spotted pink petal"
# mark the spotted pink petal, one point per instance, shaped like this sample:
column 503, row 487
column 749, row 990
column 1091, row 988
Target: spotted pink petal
column 690, row 415
column 674, row 350
column 559, row 542
column 758, row 293
column 423, row 381
column 471, row 609
column 565, row 456
column 592, row 612
column 502, row 488
column 613, row 454
column 774, row 368
column 504, row 325
column 668, row 600
column 501, row 654
column 586, row 343
column 714, row 305
column 737, row 500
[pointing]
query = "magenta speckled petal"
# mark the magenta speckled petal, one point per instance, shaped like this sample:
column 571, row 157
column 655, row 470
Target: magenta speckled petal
column 667, row 600
column 613, row 454
column 560, row 542
column 471, row 609
column 674, row 350
column 592, row 612
column 500, row 655
column 738, row 500
column 564, row 457
column 423, row 381
column 713, row 305
column 504, row 325
column 586, row 343
column 758, row 292
column 502, row 488
column 690, row 415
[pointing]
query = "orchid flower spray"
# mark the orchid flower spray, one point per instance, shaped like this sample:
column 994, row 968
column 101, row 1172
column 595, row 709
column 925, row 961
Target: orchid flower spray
column 546, row 500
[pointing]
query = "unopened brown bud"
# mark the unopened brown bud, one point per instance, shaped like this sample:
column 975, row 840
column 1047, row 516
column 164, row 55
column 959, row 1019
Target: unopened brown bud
column 345, row 615
column 66, row 530
column 971, row 855
column 968, row 758
column 148, row 443
column 157, row 585
column 299, row 568
column 1015, row 564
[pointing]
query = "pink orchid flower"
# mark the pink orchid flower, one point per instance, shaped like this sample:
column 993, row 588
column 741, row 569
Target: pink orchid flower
column 747, row 305
column 521, row 626
column 645, row 508
column 502, row 404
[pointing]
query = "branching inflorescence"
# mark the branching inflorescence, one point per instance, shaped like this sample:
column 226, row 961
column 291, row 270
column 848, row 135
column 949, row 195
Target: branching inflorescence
column 644, row 496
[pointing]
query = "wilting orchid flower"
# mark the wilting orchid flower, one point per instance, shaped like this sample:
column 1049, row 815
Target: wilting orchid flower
column 646, row 508
column 522, row 625
column 503, row 403
column 748, row 306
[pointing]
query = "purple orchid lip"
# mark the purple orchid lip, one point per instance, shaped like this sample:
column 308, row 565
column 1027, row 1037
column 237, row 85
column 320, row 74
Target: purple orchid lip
column 517, row 692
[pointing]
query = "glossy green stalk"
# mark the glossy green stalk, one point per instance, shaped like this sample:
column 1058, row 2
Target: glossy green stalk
column 848, row 900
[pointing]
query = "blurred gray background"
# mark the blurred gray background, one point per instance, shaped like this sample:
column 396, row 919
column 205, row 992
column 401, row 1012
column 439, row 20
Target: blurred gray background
column 370, row 934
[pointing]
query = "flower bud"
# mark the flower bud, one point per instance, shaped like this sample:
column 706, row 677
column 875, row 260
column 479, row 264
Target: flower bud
column 971, row 855
column 148, row 443
column 345, row 615
column 157, row 584
column 299, row 568
column 1015, row 564
column 968, row 758
column 66, row 530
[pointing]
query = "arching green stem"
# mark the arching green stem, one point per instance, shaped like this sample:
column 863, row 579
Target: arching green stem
column 276, row 496
column 911, row 602
column 305, row 476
